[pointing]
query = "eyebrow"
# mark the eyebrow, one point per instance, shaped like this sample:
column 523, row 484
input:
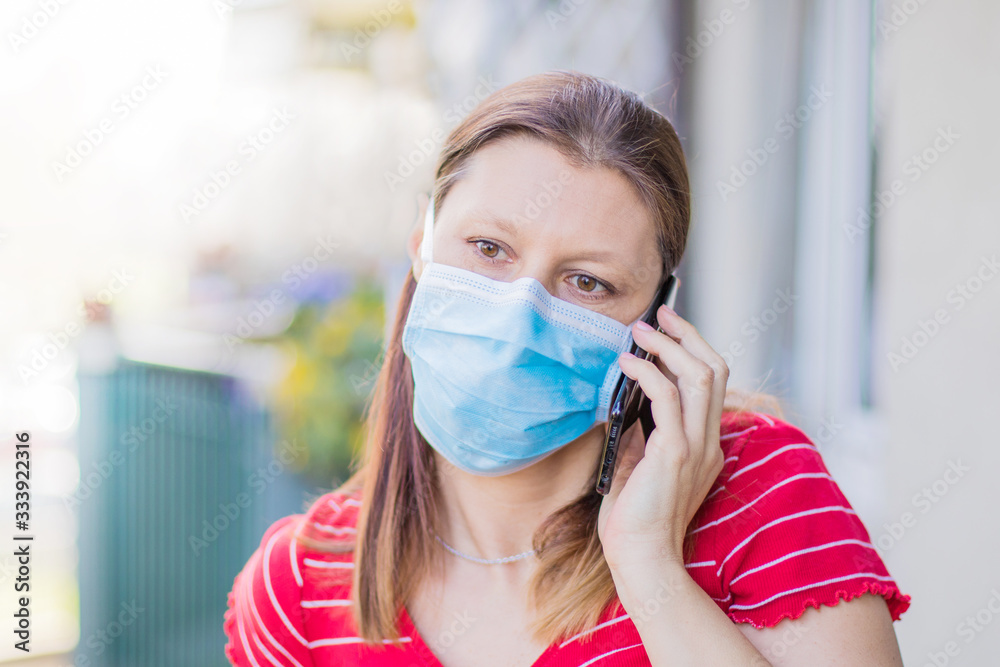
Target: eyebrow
column 505, row 225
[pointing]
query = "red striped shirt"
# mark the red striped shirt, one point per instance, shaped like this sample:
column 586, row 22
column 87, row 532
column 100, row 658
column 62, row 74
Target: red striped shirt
column 776, row 536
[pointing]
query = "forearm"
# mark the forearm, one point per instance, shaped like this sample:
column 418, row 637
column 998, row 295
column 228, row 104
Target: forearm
column 678, row 622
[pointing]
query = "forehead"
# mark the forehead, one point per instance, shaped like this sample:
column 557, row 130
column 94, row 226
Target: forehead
column 525, row 186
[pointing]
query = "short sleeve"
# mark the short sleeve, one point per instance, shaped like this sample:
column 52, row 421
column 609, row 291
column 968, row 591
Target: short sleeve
column 789, row 539
column 263, row 622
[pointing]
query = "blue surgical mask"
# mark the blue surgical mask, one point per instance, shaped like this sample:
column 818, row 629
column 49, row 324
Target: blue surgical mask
column 504, row 373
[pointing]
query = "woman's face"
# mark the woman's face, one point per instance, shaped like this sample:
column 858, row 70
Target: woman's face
column 522, row 210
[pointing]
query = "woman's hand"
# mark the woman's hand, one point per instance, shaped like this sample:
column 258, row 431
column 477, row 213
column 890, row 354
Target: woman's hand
column 659, row 485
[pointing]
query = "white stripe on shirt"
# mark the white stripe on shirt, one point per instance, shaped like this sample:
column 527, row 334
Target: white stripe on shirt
column 604, row 655
column 800, row 552
column 267, row 654
column 818, row 510
column 243, row 633
column 310, row 604
column 256, row 615
column 335, row 529
column 270, row 589
column 736, row 435
column 596, row 627
column 768, row 458
column 337, row 641
column 293, row 558
column 312, row 562
column 805, row 475
column 718, row 490
column 802, row 588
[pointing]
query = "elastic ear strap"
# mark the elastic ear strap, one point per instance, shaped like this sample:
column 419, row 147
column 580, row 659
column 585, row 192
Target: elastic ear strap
column 426, row 249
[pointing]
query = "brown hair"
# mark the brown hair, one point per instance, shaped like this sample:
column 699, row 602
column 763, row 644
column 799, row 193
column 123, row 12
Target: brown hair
column 593, row 123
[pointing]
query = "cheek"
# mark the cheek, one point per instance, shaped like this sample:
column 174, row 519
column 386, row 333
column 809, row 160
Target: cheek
column 633, row 311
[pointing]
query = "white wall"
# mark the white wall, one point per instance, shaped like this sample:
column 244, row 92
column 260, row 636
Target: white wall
column 938, row 71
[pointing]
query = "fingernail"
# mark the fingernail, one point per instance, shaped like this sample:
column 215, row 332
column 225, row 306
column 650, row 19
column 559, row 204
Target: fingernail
column 627, row 355
column 642, row 325
column 668, row 309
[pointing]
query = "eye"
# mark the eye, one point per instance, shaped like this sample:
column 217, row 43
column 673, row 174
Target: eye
column 591, row 286
column 488, row 250
column 588, row 286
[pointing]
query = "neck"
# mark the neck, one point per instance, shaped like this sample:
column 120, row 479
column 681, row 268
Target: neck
column 493, row 517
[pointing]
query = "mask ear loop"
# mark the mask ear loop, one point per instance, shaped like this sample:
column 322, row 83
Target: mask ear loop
column 426, row 244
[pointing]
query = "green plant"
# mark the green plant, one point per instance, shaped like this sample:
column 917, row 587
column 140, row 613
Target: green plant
column 336, row 348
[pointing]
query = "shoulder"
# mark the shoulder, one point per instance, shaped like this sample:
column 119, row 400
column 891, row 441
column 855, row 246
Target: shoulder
column 773, row 471
column 266, row 621
column 785, row 536
column 333, row 517
column 327, row 536
column 757, row 431
column 763, row 450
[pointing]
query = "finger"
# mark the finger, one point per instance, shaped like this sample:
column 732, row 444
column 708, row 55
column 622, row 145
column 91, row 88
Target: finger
column 695, row 379
column 679, row 329
column 666, row 371
column 663, row 395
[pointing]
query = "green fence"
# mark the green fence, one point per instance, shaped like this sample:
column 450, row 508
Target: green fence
column 180, row 475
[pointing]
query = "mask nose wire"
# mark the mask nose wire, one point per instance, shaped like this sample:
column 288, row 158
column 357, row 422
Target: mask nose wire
column 426, row 244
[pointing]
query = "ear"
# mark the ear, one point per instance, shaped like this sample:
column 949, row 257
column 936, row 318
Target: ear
column 417, row 235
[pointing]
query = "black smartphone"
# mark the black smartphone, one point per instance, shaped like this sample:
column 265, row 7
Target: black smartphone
column 628, row 402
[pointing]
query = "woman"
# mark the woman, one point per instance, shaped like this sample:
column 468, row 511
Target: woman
column 473, row 534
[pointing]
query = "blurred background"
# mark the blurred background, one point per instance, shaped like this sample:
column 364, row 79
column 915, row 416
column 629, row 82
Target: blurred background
column 203, row 207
